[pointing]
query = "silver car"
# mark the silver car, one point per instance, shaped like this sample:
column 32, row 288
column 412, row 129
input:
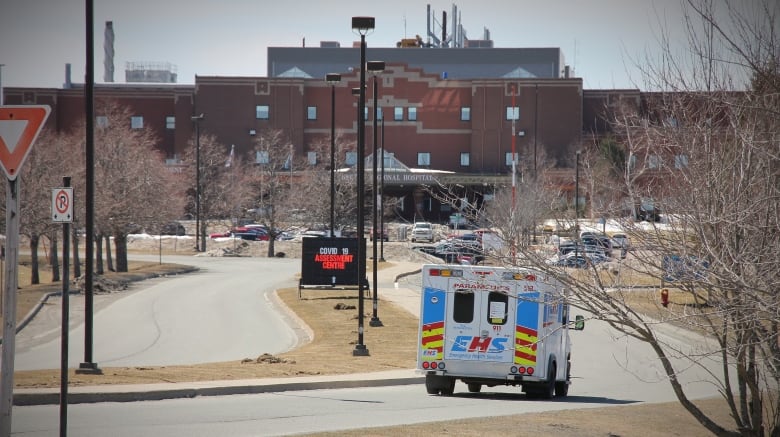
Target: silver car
column 422, row 231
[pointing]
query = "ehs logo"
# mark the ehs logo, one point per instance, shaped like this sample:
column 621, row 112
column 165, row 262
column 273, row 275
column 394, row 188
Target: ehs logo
column 467, row 343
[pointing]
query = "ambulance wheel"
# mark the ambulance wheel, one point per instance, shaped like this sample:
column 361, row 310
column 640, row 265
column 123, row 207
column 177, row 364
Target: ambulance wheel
column 474, row 387
column 549, row 388
column 562, row 387
column 449, row 387
column 431, row 386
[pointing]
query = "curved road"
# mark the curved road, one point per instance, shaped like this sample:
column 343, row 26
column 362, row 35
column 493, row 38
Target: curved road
column 608, row 370
column 222, row 312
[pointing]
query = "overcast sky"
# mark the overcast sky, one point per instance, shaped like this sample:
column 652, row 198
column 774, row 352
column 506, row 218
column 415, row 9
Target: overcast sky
column 601, row 39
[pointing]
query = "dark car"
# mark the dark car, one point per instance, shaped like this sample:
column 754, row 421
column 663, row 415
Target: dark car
column 571, row 260
column 375, row 234
column 460, row 251
column 252, row 234
column 173, row 228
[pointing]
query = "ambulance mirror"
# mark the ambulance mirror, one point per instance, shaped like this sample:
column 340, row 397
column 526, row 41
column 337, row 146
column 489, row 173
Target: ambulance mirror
column 579, row 323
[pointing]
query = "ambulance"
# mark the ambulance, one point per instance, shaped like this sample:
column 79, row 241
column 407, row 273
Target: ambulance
column 490, row 326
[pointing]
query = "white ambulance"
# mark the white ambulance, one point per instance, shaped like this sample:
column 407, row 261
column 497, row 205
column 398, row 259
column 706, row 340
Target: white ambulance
column 494, row 326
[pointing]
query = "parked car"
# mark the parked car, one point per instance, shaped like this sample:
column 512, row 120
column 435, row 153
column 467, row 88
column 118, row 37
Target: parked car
column 422, row 231
column 621, row 241
column 601, row 241
column 252, row 234
column 460, row 251
column 220, row 234
column 375, row 233
column 577, row 261
column 173, row 228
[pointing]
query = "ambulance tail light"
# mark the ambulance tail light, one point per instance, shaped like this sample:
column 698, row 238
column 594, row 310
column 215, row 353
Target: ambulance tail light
column 446, row 273
column 433, row 365
column 530, row 370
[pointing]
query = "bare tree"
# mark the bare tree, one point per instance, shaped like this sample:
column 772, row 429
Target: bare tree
column 133, row 188
column 46, row 164
column 222, row 186
column 710, row 153
column 272, row 179
column 311, row 193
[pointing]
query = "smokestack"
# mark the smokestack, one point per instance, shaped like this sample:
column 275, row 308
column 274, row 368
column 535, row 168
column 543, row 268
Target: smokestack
column 67, row 83
column 108, row 49
column 444, row 29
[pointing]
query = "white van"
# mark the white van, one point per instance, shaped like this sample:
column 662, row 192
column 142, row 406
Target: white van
column 489, row 326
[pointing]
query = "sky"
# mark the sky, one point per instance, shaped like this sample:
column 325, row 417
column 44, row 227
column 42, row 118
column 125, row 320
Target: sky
column 602, row 40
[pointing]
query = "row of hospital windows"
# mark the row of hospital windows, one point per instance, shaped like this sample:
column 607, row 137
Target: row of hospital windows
column 262, row 112
column 423, row 158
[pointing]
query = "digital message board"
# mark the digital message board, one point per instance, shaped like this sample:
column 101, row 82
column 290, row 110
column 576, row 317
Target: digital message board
column 330, row 261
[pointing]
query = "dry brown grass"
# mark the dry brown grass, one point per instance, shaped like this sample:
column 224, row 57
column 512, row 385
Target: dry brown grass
column 330, row 353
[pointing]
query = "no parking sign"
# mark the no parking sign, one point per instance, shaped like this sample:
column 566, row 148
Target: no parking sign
column 62, row 204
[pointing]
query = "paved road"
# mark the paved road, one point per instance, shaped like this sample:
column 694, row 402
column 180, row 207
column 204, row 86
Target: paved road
column 608, row 371
column 221, row 313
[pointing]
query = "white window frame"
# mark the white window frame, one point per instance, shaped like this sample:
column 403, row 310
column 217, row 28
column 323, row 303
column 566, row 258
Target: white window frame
column 311, row 112
column 424, row 159
column 312, row 158
column 398, row 113
column 465, row 113
column 680, row 161
column 137, row 122
column 465, row 159
column 411, row 113
column 509, row 158
column 350, row 159
column 170, row 122
column 263, row 112
column 101, row 121
column 512, row 113
column 261, row 157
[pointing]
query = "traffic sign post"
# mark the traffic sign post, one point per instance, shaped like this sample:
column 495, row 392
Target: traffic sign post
column 62, row 205
column 19, row 128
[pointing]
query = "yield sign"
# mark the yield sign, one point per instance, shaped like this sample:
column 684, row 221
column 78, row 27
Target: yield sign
column 19, row 127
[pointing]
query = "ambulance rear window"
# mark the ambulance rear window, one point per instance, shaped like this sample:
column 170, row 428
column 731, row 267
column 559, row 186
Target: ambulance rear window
column 463, row 308
column 497, row 308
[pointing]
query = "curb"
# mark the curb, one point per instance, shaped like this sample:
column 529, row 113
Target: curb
column 405, row 274
column 52, row 396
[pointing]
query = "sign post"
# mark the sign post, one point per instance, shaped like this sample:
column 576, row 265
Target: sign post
column 19, row 127
column 62, row 212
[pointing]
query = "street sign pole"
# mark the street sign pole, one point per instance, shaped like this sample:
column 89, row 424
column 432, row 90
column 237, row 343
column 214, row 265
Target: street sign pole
column 19, row 128
column 9, row 309
column 62, row 211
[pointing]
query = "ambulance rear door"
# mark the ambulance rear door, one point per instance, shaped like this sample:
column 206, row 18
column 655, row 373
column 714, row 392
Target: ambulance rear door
column 480, row 320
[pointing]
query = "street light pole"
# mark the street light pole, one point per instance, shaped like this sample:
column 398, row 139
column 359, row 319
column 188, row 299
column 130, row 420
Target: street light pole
column 382, row 197
column 362, row 25
column 197, row 119
column 577, row 207
column 332, row 79
column 375, row 67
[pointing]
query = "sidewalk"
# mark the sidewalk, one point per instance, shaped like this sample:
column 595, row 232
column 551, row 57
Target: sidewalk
column 389, row 290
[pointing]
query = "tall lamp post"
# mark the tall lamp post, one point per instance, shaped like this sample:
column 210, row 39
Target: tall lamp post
column 198, row 247
column 332, row 79
column 362, row 25
column 376, row 68
column 577, row 205
column 382, row 197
